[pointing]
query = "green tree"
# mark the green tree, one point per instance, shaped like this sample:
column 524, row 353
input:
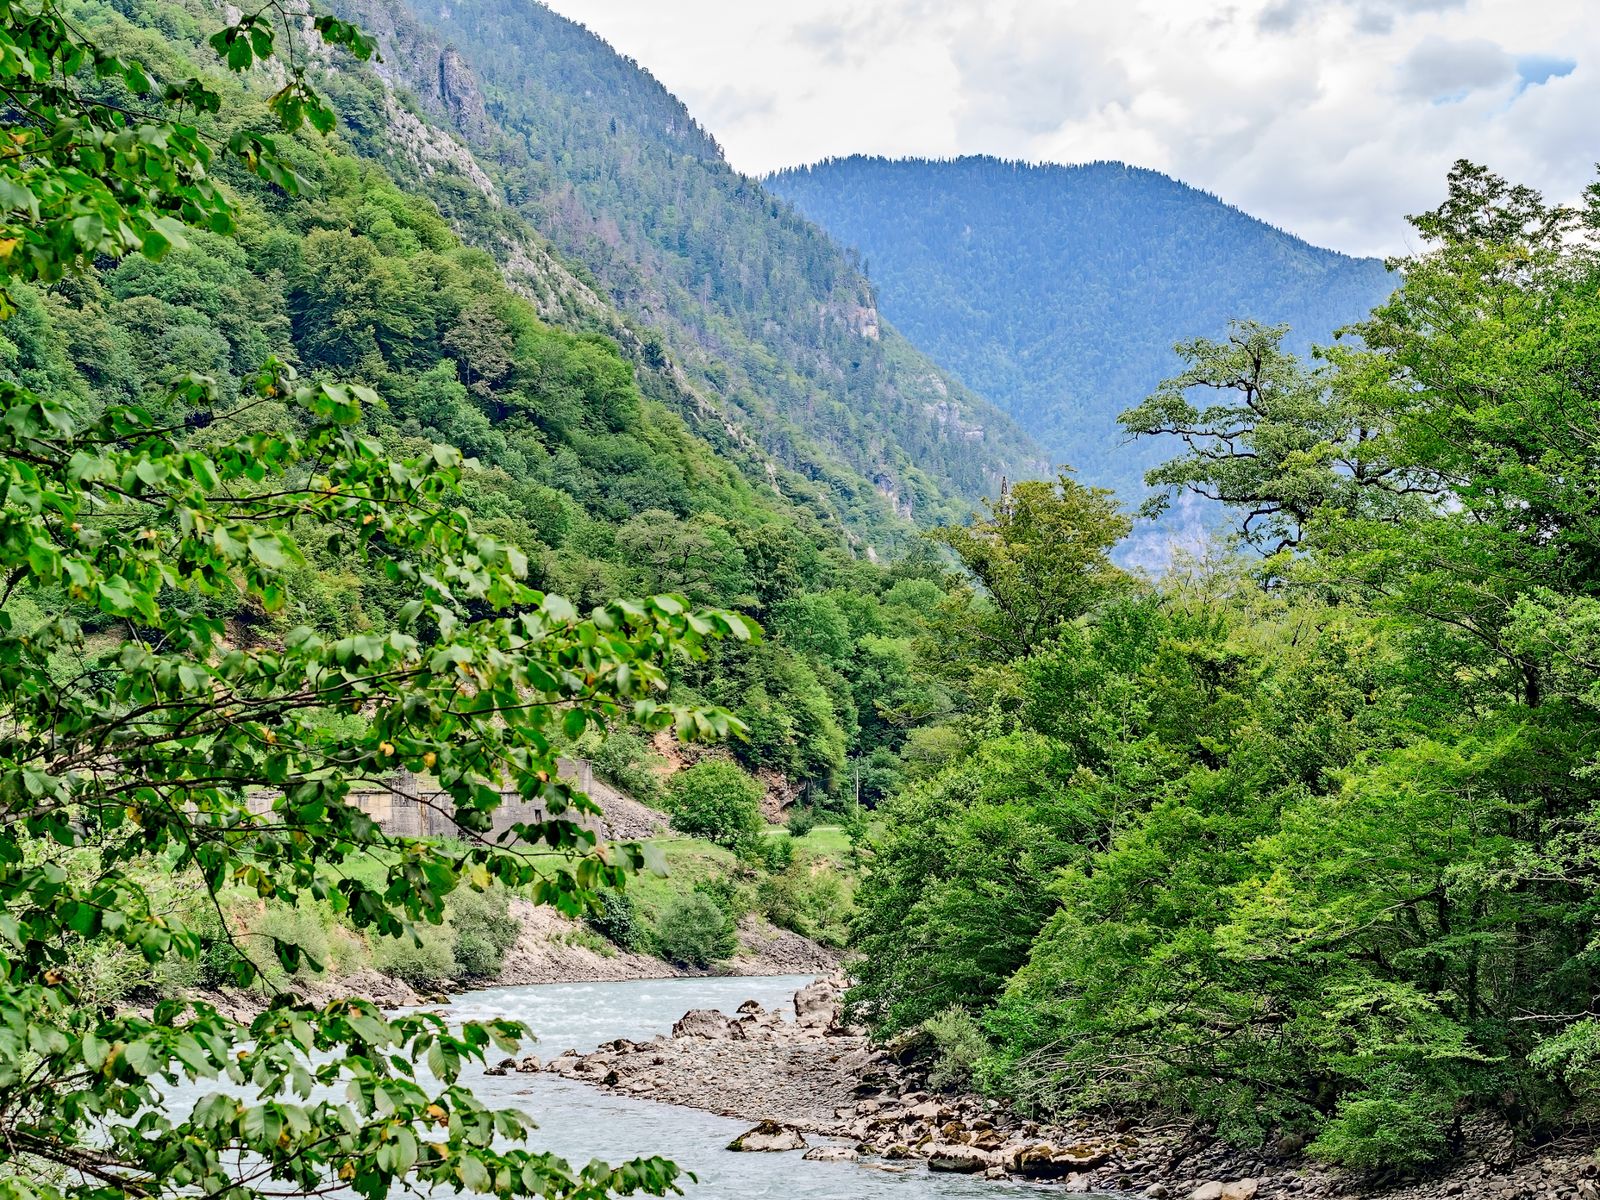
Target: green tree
column 167, row 746
column 1042, row 558
column 695, row 929
column 715, row 800
column 1280, row 444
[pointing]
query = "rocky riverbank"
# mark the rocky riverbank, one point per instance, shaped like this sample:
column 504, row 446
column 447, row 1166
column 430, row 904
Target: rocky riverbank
column 553, row 948
column 814, row 1085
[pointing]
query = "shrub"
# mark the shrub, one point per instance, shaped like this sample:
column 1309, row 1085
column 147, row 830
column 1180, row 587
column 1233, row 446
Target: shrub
column 810, row 902
column 1393, row 1122
column 627, row 762
column 301, row 933
column 615, row 917
column 425, row 960
column 717, row 801
column 484, row 930
column 696, row 929
column 773, row 853
column 959, row 1046
column 802, row 820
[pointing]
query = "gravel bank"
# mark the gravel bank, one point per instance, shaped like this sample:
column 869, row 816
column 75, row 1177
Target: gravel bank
column 817, row 1086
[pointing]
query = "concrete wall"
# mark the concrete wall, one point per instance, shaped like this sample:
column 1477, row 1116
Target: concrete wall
column 406, row 808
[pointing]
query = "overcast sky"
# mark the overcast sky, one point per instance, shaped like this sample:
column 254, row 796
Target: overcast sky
column 1331, row 118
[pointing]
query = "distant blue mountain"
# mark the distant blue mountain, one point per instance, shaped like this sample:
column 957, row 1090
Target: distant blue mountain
column 1058, row 292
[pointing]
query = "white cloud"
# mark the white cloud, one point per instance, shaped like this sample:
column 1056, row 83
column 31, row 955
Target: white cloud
column 1331, row 118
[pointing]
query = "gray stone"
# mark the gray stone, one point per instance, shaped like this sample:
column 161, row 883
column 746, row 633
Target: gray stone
column 769, row 1136
column 831, row 1154
column 702, row 1023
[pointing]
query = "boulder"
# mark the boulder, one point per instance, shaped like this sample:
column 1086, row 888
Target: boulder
column 1044, row 1161
column 1207, row 1191
column 1241, row 1189
column 701, row 1023
column 529, row 1065
column 816, row 1006
column 769, row 1136
column 831, row 1154
column 957, row 1160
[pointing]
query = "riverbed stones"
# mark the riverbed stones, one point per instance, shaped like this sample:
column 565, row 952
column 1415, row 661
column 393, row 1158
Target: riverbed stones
column 769, row 1137
column 1217, row 1189
column 955, row 1159
column 701, row 1023
column 823, row 1078
column 831, row 1154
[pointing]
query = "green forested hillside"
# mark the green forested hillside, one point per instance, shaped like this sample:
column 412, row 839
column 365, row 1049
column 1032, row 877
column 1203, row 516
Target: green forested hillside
column 1302, row 848
column 604, row 473
column 1298, row 849
column 1058, row 292
column 767, row 317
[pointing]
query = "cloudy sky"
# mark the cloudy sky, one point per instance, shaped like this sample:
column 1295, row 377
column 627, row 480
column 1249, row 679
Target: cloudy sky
column 1331, row 118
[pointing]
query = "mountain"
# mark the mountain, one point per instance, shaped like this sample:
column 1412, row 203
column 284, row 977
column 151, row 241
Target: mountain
column 600, row 444
column 762, row 315
column 1058, row 292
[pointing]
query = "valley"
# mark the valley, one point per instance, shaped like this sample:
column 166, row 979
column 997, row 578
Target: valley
column 479, row 566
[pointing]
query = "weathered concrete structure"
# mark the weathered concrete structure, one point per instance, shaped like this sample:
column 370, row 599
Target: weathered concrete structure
column 407, row 806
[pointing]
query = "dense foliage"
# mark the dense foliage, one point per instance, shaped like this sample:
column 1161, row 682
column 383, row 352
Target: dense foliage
column 156, row 752
column 1297, row 844
column 1058, row 292
column 574, row 456
column 1305, row 845
column 717, row 801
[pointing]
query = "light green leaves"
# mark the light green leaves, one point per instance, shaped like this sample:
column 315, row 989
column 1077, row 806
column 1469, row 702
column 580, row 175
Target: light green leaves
column 155, row 758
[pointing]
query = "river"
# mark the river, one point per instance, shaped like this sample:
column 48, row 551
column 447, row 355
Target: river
column 581, row 1122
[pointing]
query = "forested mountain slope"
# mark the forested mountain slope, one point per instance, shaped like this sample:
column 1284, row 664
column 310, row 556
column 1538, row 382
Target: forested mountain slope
column 616, row 477
column 1059, row 292
column 768, row 318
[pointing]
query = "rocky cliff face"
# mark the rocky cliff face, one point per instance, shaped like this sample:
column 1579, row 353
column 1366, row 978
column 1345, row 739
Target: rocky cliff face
column 461, row 96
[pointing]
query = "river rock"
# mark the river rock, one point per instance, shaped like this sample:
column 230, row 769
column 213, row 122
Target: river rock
column 769, row 1136
column 957, row 1160
column 529, row 1065
column 816, row 1006
column 831, row 1154
column 1044, row 1161
column 701, row 1023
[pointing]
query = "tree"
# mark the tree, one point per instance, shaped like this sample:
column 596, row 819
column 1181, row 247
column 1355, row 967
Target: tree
column 169, row 747
column 1284, row 444
column 1042, row 558
column 717, row 801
